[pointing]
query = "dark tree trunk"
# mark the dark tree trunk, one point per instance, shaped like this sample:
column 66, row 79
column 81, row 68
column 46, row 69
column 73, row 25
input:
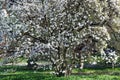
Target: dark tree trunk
column 31, row 64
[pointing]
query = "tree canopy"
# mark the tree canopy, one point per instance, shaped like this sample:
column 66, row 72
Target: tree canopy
column 60, row 31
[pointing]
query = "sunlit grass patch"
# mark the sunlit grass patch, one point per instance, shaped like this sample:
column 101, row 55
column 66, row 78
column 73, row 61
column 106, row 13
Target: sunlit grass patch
column 22, row 73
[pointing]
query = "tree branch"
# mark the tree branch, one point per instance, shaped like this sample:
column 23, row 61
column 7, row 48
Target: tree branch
column 36, row 38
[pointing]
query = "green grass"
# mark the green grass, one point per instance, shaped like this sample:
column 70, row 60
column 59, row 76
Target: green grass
column 22, row 73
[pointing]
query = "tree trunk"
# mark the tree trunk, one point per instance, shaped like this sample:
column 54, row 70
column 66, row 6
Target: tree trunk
column 31, row 64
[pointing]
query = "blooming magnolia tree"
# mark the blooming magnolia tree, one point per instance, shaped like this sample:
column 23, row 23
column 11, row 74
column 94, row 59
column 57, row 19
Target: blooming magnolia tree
column 61, row 31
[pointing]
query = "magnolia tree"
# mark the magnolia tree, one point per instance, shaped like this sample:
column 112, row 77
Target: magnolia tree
column 61, row 31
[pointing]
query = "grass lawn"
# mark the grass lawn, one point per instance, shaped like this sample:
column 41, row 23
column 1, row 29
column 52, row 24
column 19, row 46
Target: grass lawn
column 22, row 73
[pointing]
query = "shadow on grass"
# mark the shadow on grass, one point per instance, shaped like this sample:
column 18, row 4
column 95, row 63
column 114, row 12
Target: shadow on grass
column 26, row 76
column 97, row 71
column 19, row 69
column 23, row 73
